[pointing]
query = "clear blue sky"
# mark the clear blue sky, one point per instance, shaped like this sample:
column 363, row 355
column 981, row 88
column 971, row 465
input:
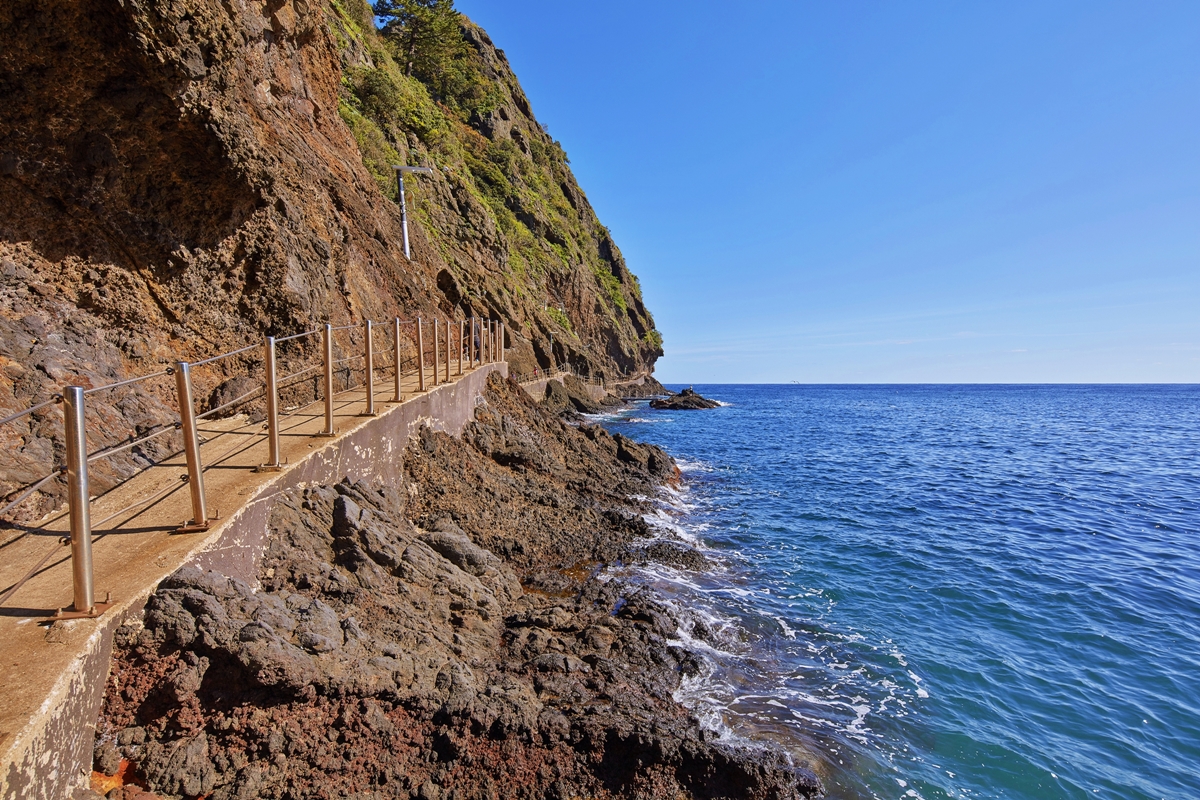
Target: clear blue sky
column 887, row 191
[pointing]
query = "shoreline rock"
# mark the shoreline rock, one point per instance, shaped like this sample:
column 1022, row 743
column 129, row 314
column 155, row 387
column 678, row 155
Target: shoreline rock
column 572, row 395
column 650, row 387
column 687, row 400
column 442, row 636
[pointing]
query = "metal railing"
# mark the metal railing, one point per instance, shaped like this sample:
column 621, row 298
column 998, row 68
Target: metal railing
column 559, row 371
column 539, row 374
column 478, row 341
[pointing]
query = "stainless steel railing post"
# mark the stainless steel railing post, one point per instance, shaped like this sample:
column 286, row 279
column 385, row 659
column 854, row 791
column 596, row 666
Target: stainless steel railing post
column 327, row 350
column 369, row 357
column 437, row 355
column 420, row 356
column 78, row 498
column 500, row 342
column 272, row 405
column 447, row 351
column 462, row 329
column 191, row 446
column 396, row 351
column 471, row 338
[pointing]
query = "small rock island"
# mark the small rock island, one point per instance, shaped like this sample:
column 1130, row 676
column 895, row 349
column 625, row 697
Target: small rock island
column 687, row 400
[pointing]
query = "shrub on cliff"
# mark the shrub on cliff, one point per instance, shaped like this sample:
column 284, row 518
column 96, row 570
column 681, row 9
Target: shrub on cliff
column 429, row 87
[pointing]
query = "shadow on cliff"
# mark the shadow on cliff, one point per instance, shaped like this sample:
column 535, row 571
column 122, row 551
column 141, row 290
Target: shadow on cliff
column 98, row 160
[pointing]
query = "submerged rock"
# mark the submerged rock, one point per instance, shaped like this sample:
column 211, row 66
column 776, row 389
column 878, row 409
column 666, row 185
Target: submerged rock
column 687, row 400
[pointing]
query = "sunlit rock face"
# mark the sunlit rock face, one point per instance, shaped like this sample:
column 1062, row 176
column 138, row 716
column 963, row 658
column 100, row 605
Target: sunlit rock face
column 178, row 179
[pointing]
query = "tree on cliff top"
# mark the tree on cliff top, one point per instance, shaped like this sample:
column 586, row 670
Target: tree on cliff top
column 427, row 35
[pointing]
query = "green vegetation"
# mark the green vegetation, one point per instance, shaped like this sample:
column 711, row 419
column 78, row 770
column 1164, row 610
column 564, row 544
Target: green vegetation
column 429, row 88
column 558, row 316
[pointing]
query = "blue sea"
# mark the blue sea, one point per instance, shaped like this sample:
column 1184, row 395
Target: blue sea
column 945, row 591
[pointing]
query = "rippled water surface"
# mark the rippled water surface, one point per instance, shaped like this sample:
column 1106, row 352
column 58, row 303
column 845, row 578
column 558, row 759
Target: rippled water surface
column 983, row 592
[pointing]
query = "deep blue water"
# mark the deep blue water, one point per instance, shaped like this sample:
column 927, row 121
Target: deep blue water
column 947, row 591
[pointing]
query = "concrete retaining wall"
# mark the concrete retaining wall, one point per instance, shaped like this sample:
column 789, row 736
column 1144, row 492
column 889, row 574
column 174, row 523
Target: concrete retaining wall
column 52, row 756
column 537, row 389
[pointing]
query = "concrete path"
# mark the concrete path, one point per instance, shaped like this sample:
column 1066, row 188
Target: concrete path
column 134, row 548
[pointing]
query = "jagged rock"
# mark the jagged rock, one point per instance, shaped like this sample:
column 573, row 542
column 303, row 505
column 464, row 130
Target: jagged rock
column 580, row 396
column 107, row 758
column 687, row 400
column 556, row 399
column 444, row 678
column 649, row 387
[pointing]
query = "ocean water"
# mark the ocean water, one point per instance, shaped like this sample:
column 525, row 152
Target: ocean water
column 945, row 591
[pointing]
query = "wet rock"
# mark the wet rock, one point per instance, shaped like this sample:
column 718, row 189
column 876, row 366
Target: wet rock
column 687, row 400
column 674, row 554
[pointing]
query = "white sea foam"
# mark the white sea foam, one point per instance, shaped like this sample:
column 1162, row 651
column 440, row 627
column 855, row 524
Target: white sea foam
column 745, row 634
column 687, row 465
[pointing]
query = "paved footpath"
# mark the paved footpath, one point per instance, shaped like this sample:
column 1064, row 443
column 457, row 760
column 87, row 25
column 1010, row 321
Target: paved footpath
column 40, row 663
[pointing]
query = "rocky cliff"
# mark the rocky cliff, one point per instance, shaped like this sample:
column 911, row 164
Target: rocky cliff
column 180, row 178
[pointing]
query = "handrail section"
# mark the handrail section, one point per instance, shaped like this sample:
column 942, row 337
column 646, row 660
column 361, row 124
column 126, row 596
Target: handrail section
column 479, row 342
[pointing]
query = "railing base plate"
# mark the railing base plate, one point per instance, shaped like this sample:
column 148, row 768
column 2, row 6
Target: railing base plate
column 92, row 613
column 269, row 468
column 193, row 527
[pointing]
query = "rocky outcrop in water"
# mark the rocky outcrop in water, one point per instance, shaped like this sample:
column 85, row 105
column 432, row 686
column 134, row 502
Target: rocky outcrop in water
column 447, row 636
column 687, row 400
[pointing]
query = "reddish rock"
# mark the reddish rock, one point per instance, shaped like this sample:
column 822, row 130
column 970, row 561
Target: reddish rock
column 440, row 636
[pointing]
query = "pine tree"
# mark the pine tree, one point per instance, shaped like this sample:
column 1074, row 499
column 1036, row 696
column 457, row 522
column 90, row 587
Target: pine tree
column 426, row 34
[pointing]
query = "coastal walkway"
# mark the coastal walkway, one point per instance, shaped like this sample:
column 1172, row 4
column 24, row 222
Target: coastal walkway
column 54, row 670
column 534, row 383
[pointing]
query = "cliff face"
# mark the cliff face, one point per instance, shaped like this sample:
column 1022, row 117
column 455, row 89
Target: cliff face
column 180, row 178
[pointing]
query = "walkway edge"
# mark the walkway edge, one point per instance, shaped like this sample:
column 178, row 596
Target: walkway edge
column 52, row 755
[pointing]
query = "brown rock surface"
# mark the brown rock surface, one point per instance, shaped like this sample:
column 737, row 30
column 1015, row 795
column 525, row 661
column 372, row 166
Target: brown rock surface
column 178, row 179
column 442, row 637
column 649, row 387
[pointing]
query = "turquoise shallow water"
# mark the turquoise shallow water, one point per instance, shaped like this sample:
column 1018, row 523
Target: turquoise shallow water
column 980, row 592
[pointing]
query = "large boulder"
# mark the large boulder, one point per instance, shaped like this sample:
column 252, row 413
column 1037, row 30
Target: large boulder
column 687, row 400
